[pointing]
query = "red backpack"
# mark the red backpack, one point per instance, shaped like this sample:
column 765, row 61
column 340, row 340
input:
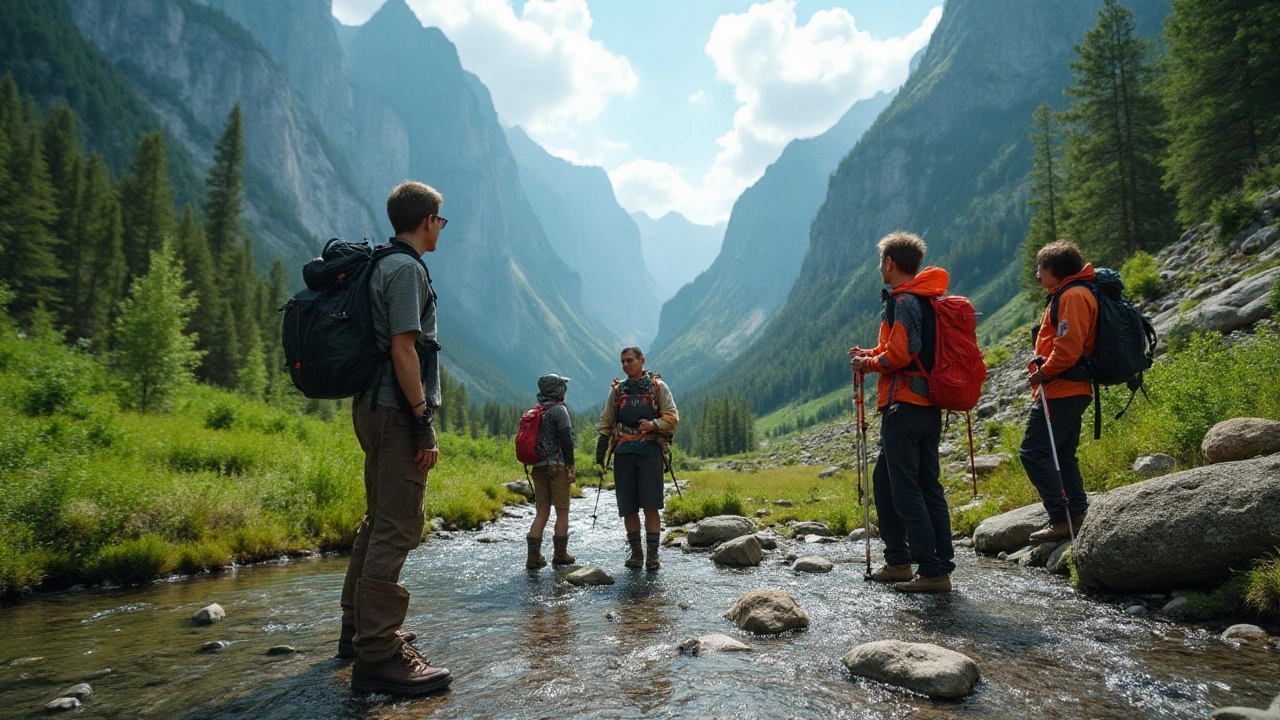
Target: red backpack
column 955, row 368
column 527, row 435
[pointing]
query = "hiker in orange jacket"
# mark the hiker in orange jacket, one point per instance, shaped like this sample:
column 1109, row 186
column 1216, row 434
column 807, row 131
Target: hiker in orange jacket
column 915, row 522
column 1062, row 344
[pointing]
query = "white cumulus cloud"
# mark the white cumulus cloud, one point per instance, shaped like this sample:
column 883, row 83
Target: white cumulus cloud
column 542, row 67
column 790, row 81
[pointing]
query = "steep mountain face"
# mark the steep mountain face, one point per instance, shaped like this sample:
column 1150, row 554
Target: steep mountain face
column 191, row 65
column 709, row 321
column 677, row 250
column 595, row 237
column 504, row 293
column 947, row 160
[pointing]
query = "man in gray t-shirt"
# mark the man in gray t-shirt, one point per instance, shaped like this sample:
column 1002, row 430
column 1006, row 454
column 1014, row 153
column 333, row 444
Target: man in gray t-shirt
column 399, row 444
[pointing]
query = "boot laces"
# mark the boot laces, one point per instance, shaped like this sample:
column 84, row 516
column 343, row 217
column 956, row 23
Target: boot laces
column 414, row 659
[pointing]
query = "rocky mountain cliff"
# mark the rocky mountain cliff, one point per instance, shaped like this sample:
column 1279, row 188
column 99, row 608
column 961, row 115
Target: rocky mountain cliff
column 709, row 321
column 191, row 65
column 948, row 160
column 676, row 250
column 595, row 237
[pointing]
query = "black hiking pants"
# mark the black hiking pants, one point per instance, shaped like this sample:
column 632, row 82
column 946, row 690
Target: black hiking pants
column 915, row 523
column 1037, row 456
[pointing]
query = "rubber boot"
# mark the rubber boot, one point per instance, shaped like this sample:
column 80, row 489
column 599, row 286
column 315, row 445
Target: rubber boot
column 561, row 556
column 535, row 560
column 637, row 553
column 651, row 557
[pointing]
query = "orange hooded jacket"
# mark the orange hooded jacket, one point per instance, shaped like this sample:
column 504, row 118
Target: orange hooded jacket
column 1074, row 336
column 892, row 355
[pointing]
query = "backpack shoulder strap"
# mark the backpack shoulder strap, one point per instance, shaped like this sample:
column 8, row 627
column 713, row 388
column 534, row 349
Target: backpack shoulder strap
column 928, row 322
column 1053, row 299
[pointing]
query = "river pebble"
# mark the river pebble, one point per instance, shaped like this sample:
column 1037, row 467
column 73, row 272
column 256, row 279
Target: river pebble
column 62, row 704
column 813, row 564
column 209, row 615
column 213, row 646
column 281, row 650
column 707, row 644
column 1136, row 610
column 1246, row 632
column 97, row 674
column 81, row 692
column 589, row 575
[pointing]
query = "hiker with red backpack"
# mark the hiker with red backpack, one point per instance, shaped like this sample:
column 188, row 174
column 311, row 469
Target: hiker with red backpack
column 914, row 520
column 637, row 422
column 1061, row 383
column 545, row 441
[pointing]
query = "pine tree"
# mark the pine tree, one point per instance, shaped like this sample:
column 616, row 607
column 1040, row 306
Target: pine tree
column 252, row 378
column 277, row 293
column 146, row 202
column 222, row 204
column 1223, row 96
column 96, row 266
column 1113, row 145
column 28, row 263
column 1046, row 195
column 64, row 159
column 154, row 355
column 193, row 250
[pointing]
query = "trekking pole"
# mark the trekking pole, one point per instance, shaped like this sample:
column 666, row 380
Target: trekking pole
column 666, row 459
column 864, row 475
column 596, row 510
column 1057, row 469
column 973, row 467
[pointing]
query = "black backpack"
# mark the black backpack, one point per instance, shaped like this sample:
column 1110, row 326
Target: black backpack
column 1123, row 349
column 328, row 335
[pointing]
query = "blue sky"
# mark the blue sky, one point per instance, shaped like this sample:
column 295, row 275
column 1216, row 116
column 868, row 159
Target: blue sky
column 683, row 102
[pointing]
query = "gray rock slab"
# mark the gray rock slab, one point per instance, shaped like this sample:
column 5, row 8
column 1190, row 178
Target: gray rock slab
column 742, row 551
column 829, row 472
column 62, row 704
column 714, row 643
column 521, row 488
column 1009, row 531
column 984, row 465
column 921, row 667
column 719, row 528
column 1241, row 439
column 1174, row 606
column 589, row 575
column 1058, row 560
column 1246, row 632
column 1150, row 466
column 814, row 539
column 812, row 528
column 767, row 611
column 767, row 542
column 1181, row 530
column 813, row 564
column 209, row 615
column 79, row 691
column 213, row 646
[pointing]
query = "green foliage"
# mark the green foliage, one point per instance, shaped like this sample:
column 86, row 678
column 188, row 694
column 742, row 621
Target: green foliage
column 1273, row 299
column 1263, row 591
column 1224, row 112
column 220, row 417
column 997, row 356
column 1048, row 217
column 1233, row 213
column 154, row 355
column 1113, row 143
column 1142, row 277
column 146, row 203
column 134, row 561
column 1225, row 601
column 723, row 426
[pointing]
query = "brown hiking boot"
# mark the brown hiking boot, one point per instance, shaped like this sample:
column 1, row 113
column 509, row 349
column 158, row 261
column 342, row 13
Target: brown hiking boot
column 1051, row 532
column 347, row 648
column 941, row 583
column 892, row 574
column 535, row 560
column 651, row 558
column 637, row 552
column 405, row 673
column 561, row 556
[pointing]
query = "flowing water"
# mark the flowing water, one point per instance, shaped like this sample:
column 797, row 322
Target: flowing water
column 522, row 645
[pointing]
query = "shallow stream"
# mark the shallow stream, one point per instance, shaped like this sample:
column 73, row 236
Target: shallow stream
column 522, row 645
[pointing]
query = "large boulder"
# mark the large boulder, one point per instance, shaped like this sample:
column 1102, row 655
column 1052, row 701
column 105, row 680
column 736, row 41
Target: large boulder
column 1241, row 439
column 812, row 528
column 521, row 488
column 709, row 531
column 1181, row 530
column 742, row 551
column 922, row 667
column 1245, row 713
column 1009, row 531
column 767, row 612
column 1239, row 306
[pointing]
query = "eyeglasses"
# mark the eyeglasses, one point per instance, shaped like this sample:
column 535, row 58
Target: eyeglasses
column 443, row 221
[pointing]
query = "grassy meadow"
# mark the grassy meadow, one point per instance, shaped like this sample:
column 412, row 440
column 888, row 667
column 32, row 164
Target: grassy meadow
column 90, row 492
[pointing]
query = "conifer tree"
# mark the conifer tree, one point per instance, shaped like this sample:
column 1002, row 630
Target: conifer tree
column 1117, row 202
column 146, row 202
column 28, row 263
column 64, row 159
column 154, row 355
column 1223, row 96
column 96, row 266
column 277, row 293
column 252, row 377
column 198, row 268
column 1046, row 194
column 222, row 204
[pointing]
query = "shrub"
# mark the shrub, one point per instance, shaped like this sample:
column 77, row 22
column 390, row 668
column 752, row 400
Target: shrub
column 997, row 356
column 1141, row 277
column 1180, row 335
column 220, row 417
column 201, row 556
column 1233, row 213
column 1273, row 300
column 1225, row 601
